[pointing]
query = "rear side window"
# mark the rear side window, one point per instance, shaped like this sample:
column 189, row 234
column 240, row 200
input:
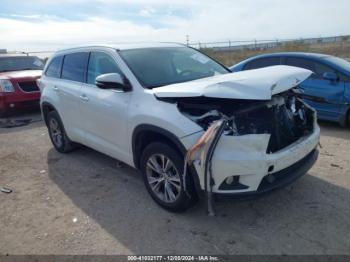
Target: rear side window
column 99, row 64
column 301, row 62
column 318, row 68
column 74, row 66
column 54, row 68
column 263, row 62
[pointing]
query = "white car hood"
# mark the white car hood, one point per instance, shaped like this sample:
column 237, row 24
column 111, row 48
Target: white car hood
column 257, row 84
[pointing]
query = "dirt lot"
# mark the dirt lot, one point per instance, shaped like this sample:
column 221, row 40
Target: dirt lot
column 83, row 203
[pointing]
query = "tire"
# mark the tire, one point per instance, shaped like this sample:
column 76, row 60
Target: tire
column 57, row 133
column 167, row 188
column 345, row 121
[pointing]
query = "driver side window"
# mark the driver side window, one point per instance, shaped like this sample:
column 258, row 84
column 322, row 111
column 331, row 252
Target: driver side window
column 318, row 68
column 100, row 63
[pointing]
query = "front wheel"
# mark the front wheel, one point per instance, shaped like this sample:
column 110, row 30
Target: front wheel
column 162, row 169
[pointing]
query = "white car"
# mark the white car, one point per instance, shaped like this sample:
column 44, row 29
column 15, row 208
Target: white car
column 184, row 120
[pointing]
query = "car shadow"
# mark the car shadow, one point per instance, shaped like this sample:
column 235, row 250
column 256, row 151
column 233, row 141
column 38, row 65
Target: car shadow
column 309, row 217
column 21, row 120
column 332, row 129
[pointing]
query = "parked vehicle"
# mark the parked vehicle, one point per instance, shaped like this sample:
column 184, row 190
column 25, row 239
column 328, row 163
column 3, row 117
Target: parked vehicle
column 159, row 106
column 18, row 88
column 327, row 90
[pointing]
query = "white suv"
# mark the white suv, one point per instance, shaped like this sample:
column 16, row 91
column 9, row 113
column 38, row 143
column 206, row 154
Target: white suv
column 188, row 123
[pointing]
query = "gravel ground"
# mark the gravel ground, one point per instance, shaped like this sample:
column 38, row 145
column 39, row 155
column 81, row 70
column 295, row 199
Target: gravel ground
column 84, row 203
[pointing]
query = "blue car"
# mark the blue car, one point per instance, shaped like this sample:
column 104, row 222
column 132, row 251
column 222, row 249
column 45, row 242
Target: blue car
column 327, row 90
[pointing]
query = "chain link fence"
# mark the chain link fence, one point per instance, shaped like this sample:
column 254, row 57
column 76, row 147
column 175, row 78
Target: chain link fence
column 262, row 44
column 317, row 44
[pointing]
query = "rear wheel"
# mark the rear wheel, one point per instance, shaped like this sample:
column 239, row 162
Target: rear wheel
column 162, row 169
column 57, row 134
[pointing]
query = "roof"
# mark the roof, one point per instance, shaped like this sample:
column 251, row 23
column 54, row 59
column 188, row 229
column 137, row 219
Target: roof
column 315, row 56
column 125, row 46
column 303, row 54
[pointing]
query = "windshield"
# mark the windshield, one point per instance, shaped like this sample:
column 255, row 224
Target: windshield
column 155, row 67
column 17, row 63
column 339, row 62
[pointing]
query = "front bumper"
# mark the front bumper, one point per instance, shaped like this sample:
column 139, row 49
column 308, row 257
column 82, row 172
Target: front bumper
column 279, row 179
column 245, row 156
column 18, row 100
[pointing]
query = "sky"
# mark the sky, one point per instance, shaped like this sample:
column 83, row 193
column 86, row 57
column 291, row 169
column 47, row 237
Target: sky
column 38, row 25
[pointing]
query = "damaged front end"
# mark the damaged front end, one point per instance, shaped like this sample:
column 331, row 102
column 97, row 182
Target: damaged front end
column 279, row 122
column 285, row 117
column 257, row 134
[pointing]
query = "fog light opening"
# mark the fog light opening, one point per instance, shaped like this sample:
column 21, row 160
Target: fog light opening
column 229, row 180
column 232, row 183
column 232, row 180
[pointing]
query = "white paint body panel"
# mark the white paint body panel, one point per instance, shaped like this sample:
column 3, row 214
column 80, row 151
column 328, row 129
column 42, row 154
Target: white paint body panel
column 257, row 84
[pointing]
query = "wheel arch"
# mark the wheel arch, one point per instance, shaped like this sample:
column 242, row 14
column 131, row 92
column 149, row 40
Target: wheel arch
column 46, row 108
column 145, row 134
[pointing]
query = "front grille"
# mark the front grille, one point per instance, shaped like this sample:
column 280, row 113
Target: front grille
column 29, row 86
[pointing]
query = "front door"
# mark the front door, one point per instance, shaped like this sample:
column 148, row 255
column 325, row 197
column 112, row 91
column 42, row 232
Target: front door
column 326, row 96
column 105, row 111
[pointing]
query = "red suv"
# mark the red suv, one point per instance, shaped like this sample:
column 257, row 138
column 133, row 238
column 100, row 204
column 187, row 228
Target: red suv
column 18, row 88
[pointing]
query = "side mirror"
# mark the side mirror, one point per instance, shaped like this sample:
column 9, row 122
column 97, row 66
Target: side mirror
column 112, row 81
column 331, row 76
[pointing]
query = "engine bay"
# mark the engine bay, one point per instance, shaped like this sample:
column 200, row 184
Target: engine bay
column 285, row 117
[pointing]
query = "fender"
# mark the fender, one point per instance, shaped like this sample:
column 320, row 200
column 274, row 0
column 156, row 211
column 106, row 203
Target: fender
column 136, row 150
column 146, row 128
column 44, row 104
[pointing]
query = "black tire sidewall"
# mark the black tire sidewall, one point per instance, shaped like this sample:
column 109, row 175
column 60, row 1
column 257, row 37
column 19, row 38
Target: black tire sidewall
column 54, row 115
column 186, row 199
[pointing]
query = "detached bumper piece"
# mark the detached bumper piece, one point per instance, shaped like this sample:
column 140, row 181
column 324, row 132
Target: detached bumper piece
column 279, row 179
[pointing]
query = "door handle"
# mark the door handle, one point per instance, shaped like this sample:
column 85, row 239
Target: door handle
column 55, row 88
column 84, row 97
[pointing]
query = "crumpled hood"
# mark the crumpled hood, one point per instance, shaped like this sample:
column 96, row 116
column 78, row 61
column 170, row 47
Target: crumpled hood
column 257, row 84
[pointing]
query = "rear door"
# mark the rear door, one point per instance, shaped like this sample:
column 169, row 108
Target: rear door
column 324, row 95
column 104, row 112
column 72, row 77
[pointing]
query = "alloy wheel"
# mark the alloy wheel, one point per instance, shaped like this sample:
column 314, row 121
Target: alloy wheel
column 56, row 132
column 163, row 178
